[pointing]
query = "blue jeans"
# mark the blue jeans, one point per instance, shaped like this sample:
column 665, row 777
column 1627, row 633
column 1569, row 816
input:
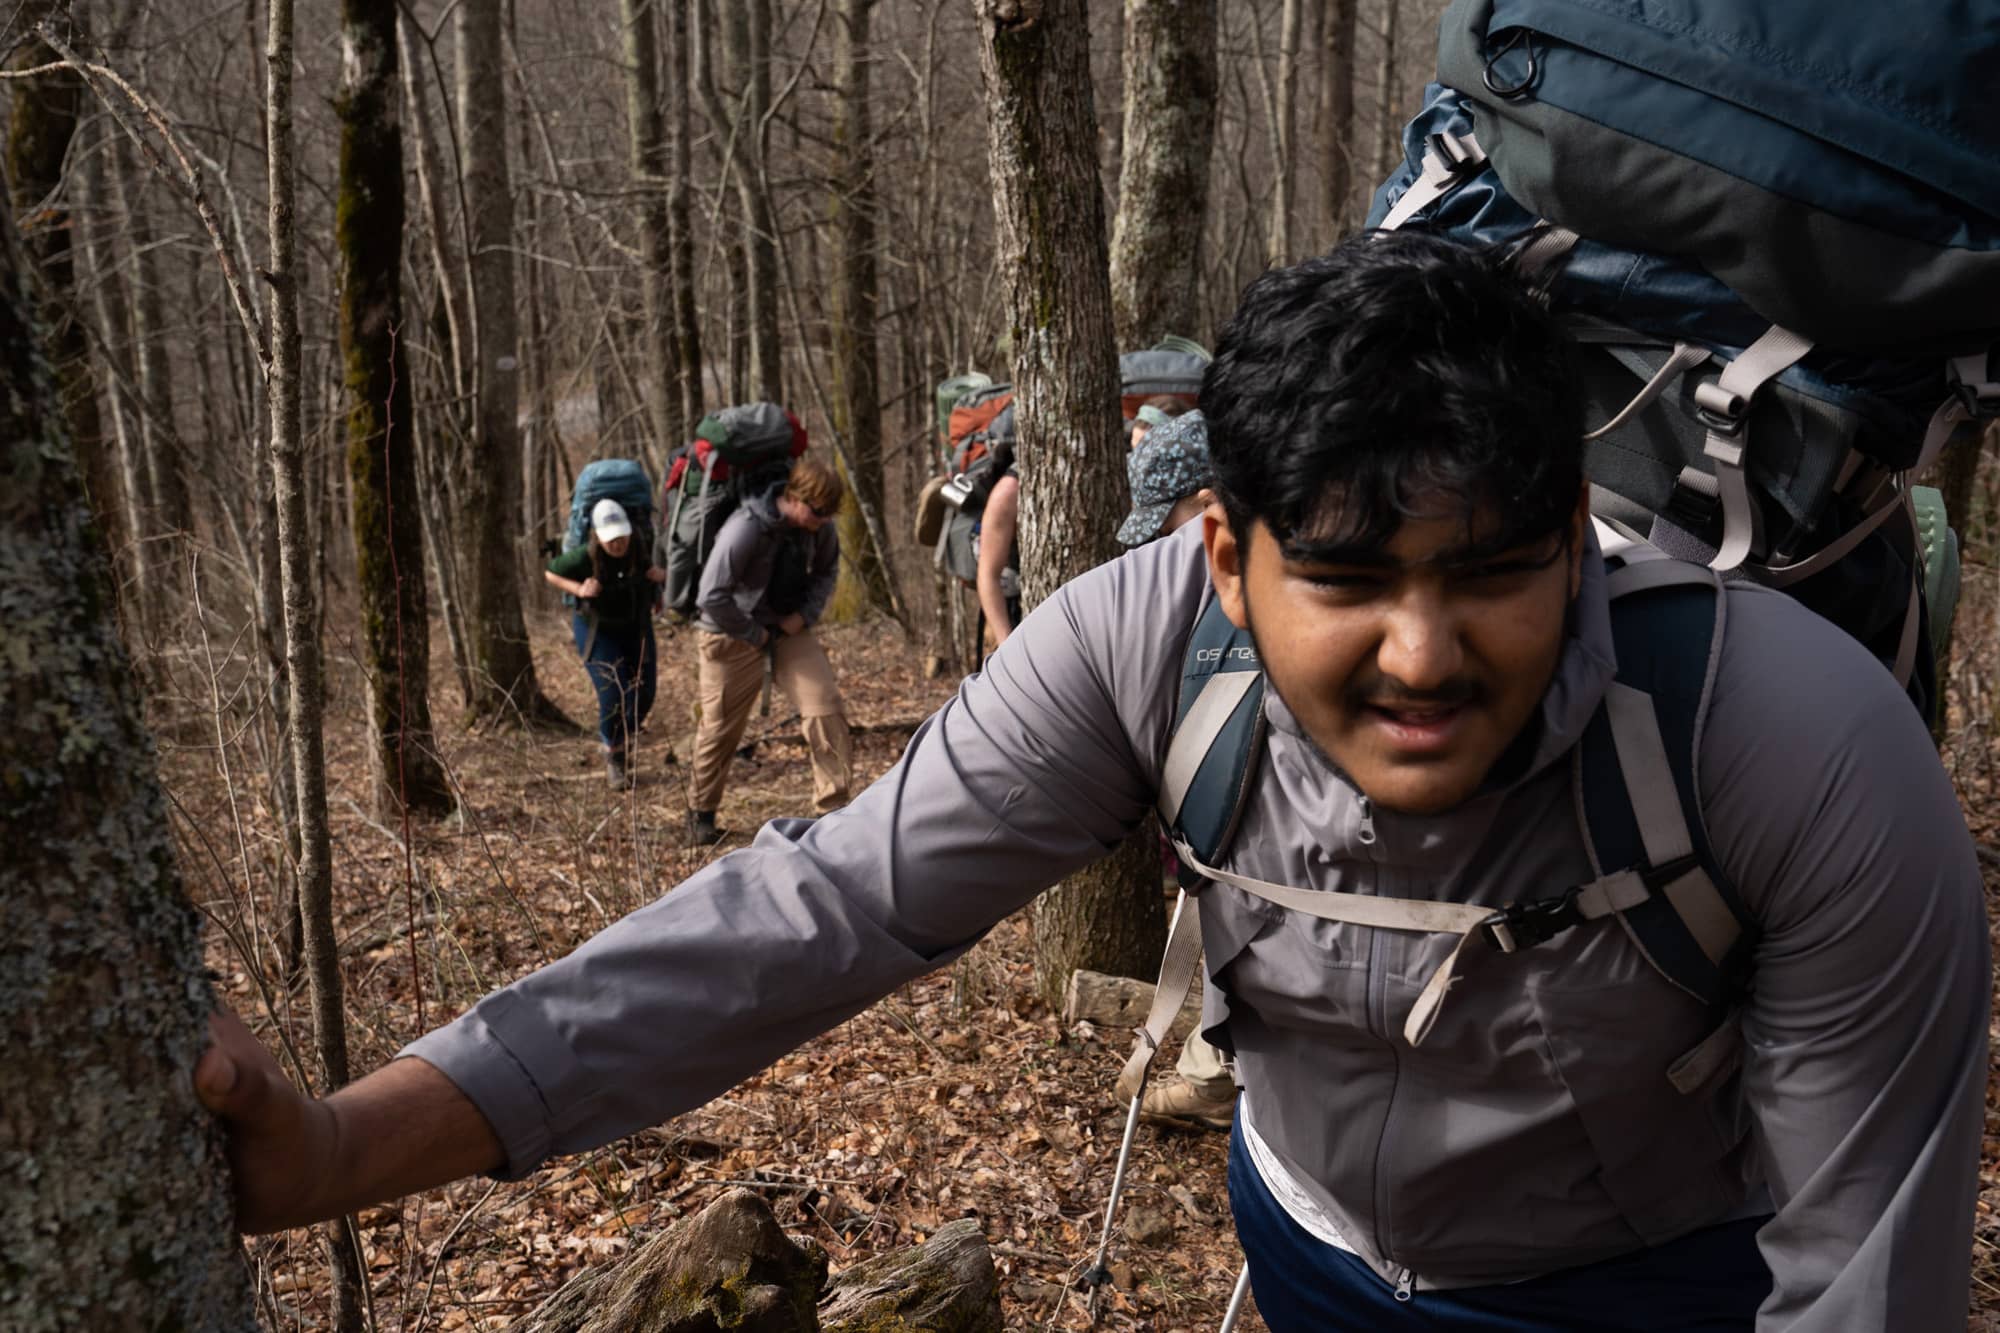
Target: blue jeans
column 1709, row 1281
column 624, row 670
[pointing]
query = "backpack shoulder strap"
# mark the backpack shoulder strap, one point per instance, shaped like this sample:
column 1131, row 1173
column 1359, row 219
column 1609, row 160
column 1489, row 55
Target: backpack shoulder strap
column 1218, row 733
column 1204, row 783
column 1637, row 789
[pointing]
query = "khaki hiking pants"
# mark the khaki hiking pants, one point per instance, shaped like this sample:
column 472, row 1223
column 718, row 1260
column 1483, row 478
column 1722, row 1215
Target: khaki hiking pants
column 731, row 676
column 1200, row 1063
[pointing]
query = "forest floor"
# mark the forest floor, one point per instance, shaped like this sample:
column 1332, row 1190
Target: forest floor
column 960, row 1095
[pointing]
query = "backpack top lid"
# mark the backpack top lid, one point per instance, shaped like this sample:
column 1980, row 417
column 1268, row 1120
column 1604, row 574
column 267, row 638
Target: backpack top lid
column 972, row 421
column 750, row 435
column 1772, row 142
column 622, row 479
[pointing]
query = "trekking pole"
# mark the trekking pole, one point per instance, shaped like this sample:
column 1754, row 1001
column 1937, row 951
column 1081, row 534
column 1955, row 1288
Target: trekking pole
column 1176, row 976
column 1236, row 1299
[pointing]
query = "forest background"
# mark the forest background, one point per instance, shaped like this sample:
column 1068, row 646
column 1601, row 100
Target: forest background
column 339, row 297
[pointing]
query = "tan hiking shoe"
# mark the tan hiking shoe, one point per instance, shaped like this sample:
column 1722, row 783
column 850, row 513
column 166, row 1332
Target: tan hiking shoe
column 1176, row 1101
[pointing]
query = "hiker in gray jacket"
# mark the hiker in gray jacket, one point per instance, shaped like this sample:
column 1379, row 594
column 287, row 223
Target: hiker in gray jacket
column 1554, row 1138
column 764, row 587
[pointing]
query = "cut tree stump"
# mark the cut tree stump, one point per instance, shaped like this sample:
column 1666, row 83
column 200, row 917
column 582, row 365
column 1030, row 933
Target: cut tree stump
column 945, row 1285
column 1121, row 1002
column 729, row 1266
column 732, row 1267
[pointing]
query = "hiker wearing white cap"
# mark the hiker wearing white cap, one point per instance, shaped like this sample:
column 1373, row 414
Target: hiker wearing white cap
column 616, row 586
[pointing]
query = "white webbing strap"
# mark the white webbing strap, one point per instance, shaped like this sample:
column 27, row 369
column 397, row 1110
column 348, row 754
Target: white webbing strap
column 1448, row 159
column 1206, row 717
column 1686, row 356
column 1177, row 971
column 1784, row 576
column 1726, row 403
column 1599, row 898
column 1615, row 541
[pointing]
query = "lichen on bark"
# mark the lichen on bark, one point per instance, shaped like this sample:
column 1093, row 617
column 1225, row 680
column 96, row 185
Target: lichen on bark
column 118, row 1211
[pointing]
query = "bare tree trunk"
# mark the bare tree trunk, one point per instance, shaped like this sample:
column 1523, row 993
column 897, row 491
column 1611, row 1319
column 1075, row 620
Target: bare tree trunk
column 1170, row 92
column 1336, row 114
column 737, row 114
column 1284, row 108
column 680, row 214
column 381, row 464
column 303, row 662
column 652, row 167
column 857, row 370
column 101, row 962
column 502, row 669
column 39, row 134
column 1049, row 216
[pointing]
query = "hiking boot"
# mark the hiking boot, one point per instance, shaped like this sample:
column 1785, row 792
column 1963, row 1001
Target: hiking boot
column 1179, row 1102
column 702, row 831
column 615, row 771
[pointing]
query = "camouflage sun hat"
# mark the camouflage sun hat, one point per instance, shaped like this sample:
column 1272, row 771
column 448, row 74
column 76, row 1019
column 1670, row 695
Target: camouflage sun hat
column 1169, row 464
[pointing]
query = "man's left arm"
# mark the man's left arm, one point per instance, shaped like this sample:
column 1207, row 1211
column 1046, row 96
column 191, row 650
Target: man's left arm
column 825, row 572
column 1866, row 1029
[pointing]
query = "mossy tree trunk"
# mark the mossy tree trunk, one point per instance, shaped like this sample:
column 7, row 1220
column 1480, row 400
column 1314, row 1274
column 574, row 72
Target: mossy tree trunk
column 1170, row 89
column 857, row 371
column 39, row 132
column 381, row 462
column 501, row 685
column 1049, row 218
column 118, row 1210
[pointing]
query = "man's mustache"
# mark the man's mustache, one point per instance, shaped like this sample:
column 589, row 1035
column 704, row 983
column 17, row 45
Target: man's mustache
column 1393, row 696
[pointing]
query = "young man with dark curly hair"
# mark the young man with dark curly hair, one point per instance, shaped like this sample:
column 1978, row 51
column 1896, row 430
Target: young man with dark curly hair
column 1554, row 1137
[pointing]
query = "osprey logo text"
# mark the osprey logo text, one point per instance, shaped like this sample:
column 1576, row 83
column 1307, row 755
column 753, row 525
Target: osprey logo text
column 1236, row 653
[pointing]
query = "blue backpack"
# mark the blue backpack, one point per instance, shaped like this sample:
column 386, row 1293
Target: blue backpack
column 620, row 479
column 1775, row 229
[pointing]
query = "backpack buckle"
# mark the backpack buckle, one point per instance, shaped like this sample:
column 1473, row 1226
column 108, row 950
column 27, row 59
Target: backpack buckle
column 1721, row 410
column 1524, row 925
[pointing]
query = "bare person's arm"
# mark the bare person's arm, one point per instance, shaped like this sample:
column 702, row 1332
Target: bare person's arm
column 996, row 542
column 296, row 1159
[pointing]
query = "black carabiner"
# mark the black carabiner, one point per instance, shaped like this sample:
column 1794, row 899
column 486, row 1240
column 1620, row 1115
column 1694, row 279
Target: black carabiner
column 1512, row 92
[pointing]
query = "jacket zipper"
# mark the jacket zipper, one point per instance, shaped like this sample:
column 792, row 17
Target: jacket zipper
column 1405, row 1282
column 1366, row 836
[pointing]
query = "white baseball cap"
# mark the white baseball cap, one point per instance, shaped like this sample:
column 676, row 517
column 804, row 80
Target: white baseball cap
column 608, row 521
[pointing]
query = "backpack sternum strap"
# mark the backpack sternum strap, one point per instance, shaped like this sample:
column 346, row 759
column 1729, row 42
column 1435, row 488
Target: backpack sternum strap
column 1480, row 929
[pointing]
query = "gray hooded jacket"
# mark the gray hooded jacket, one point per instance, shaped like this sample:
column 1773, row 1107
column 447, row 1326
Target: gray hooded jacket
column 736, row 578
column 1536, row 1128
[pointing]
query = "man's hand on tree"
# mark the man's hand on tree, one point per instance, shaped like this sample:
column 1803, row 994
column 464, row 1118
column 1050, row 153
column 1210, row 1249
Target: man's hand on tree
column 281, row 1142
column 296, row 1159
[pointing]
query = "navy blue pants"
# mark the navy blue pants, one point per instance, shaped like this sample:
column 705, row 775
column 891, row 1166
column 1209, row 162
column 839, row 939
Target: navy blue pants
column 1710, row 1281
column 624, row 671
